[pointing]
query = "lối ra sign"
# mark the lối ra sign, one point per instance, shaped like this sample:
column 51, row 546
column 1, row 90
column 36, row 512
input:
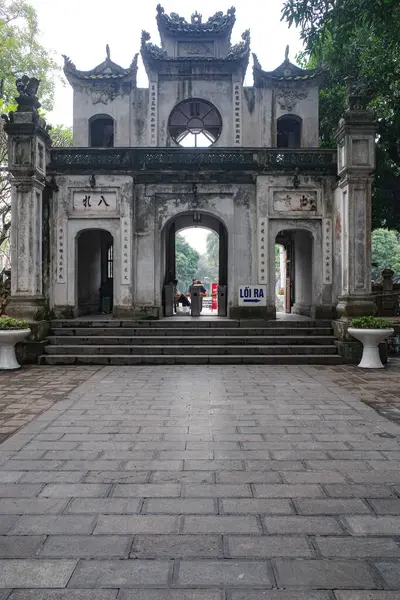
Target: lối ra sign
column 252, row 295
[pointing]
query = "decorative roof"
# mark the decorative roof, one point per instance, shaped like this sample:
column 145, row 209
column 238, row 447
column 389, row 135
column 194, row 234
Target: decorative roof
column 107, row 70
column 286, row 71
column 239, row 52
column 216, row 25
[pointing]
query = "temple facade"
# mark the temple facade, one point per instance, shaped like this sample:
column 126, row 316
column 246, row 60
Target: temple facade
column 93, row 226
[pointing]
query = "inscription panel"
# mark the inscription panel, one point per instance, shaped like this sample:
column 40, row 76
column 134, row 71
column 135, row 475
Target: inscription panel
column 327, row 251
column 262, row 251
column 99, row 203
column 301, row 201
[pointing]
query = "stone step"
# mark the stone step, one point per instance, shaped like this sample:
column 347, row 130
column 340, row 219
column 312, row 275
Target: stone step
column 192, row 349
column 111, row 340
column 222, row 359
column 186, row 323
column 193, row 331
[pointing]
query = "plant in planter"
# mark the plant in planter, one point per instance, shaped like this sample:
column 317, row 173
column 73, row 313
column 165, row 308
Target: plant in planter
column 370, row 331
column 12, row 331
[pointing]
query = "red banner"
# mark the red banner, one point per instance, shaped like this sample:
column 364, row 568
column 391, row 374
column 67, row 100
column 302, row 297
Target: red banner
column 214, row 295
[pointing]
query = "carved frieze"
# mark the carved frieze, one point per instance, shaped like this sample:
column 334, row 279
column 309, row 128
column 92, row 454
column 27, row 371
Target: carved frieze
column 288, row 97
column 196, row 49
column 295, row 201
column 103, row 93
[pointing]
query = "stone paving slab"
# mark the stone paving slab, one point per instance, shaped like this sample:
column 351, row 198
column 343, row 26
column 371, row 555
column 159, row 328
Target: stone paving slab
column 28, row 392
column 261, row 483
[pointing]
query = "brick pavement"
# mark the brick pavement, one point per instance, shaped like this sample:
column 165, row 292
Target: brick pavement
column 26, row 393
column 203, row 483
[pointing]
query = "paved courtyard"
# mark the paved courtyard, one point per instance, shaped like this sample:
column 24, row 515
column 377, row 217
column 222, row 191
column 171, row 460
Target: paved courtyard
column 204, row 483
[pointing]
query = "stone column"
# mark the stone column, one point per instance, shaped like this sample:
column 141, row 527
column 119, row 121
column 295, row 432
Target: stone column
column 356, row 163
column 27, row 144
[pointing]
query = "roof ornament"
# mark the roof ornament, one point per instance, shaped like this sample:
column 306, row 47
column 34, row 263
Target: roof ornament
column 108, row 52
column 287, row 53
column 196, row 18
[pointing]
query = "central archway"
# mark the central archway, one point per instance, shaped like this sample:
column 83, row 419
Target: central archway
column 196, row 219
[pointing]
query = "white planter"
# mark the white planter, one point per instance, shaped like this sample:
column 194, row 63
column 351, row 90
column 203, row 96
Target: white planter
column 370, row 339
column 8, row 339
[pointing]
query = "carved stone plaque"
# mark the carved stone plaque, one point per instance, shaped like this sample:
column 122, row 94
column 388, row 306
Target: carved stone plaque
column 89, row 203
column 295, row 201
column 196, row 49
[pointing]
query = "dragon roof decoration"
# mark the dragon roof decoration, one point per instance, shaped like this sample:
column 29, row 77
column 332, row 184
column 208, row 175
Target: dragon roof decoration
column 218, row 24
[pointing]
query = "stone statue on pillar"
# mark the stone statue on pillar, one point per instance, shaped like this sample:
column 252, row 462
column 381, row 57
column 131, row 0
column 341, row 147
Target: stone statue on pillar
column 28, row 140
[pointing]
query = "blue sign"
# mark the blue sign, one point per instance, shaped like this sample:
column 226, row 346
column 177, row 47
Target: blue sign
column 252, row 295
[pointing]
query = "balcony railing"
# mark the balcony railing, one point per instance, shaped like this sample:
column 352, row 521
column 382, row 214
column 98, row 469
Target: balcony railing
column 172, row 159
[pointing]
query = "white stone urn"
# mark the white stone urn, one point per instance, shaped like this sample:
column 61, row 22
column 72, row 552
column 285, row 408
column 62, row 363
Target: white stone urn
column 370, row 339
column 8, row 339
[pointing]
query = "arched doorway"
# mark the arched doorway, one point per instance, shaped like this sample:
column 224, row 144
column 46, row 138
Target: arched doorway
column 95, row 277
column 197, row 219
column 295, row 275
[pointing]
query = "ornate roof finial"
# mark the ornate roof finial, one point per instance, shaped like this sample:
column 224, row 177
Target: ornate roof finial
column 196, row 18
column 287, row 52
column 108, row 51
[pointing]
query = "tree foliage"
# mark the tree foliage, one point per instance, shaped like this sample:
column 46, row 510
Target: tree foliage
column 22, row 54
column 61, row 136
column 186, row 263
column 385, row 252
column 359, row 40
column 212, row 244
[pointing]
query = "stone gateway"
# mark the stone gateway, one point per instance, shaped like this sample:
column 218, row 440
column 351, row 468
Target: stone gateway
column 94, row 225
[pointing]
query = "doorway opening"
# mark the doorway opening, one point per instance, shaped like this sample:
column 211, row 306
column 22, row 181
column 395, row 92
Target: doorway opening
column 294, row 272
column 95, row 289
column 206, row 265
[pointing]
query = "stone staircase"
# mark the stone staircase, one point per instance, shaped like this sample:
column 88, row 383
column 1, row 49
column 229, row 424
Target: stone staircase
column 189, row 341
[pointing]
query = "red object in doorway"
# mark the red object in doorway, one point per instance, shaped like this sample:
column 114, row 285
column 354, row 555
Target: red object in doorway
column 214, row 295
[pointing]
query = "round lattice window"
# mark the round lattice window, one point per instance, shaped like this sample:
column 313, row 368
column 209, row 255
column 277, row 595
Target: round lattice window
column 195, row 124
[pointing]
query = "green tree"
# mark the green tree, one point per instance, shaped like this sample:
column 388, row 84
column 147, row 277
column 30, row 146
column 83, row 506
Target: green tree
column 61, row 135
column 20, row 54
column 359, row 40
column 212, row 244
column 385, row 252
column 186, row 262
column 207, row 269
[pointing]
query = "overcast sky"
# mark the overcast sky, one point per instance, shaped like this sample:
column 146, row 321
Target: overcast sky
column 82, row 28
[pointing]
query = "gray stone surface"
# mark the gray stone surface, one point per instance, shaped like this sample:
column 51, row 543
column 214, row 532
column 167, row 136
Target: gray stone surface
column 268, row 546
column 224, row 572
column 170, row 595
column 326, row 574
column 31, row 573
column 177, row 546
column 64, row 595
column 155, row 529
column 86, row 546
column 120, row 573
column 21, row 546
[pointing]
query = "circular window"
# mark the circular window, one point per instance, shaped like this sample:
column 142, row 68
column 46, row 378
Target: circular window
column 195, row 124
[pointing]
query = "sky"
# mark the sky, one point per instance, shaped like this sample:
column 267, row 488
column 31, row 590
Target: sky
column 82, row 28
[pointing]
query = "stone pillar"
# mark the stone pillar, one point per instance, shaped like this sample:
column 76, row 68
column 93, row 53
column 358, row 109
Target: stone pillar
column 356, row 162
column 27, row 144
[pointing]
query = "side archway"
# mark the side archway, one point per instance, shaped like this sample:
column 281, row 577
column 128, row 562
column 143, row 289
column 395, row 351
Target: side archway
column 95, row 272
